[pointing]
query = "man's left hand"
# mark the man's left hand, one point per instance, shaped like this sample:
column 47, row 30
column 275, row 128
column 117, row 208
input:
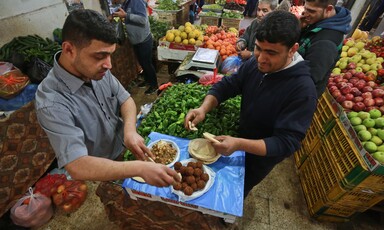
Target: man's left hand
column 135, row 143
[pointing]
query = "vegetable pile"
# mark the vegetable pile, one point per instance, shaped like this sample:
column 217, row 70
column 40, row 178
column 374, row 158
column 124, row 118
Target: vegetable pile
column 168, row 113
column 168, row 5
column 30, row 46
column 158, row 28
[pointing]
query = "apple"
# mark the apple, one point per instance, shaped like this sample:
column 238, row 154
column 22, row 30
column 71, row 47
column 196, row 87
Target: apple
column 369, row 108
column 379, row 156
column 364, row 135
column 351, row 65
column 371, row 83
column 375, row 113
column 359, row 74
column 341, row 98
column 355, row 121
column 331, row 84
column 378, row 92
column 370, row 147
column 347, row 75
column 352, row 71
column 358, row 99
column 368, row 102
column 341, row 84
column 360, row 84
column 336, row 93
column 355, row 91
column 379, row 122
column 346, row 89
column 381, row 108
column 332, row 88
column 367, row 88
column 353, row 80
column 358, row 106
column 367, row 95
column 379, row 101
column 349, row 96
column 347, row 104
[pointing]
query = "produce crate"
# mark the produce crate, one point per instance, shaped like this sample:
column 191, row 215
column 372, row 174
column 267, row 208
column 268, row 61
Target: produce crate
column 209, row 20
column 327, row 111
column 231, row 22
column 169, row 17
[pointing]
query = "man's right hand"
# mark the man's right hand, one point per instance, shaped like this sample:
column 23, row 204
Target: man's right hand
column 194, row 116
column 158, row 174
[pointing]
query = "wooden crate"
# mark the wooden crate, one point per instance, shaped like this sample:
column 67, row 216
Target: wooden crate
column 231, row 22
column 168, row 17
column 210, row 21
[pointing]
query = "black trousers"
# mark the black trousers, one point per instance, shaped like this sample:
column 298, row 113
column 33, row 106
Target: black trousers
column 143, row 53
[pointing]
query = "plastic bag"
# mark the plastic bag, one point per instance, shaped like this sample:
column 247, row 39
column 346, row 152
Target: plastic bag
column 38, row 70
column 32, row 210
column 70, row 195
column 12, row 83
column 26, row 95
column 210, row 79
column 49, row 183
column 120, row 33
column 231, row 65
column 5, row 67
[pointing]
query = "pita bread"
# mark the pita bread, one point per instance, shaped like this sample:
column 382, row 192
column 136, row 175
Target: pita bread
column 210, row 137
column 202, row 149
column 192, row 127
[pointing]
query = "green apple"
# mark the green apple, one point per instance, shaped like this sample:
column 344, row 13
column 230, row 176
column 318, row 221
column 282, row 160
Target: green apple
column 369, row 122
column 364, row 135
column 380, row 148
column 358, row 68
column 380, row 133
column 379, row 122
column 373, row 131
column 370, row 61
column 344, row 54
column 344, row 48
column 374, row 113
column 342, row 65
column 350, row 43
column 379, row 156
column 336, row 70
column 360, row 45
column 352, row 114
column 352, row 51
column 376, row 140
column 380, row 59
column 359, row 128
column 366, row 67
column 370, row 147
column 356, row 58
column 363, row 115
column 355, row 121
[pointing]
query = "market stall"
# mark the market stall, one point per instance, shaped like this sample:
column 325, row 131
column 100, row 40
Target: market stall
column 341, row 165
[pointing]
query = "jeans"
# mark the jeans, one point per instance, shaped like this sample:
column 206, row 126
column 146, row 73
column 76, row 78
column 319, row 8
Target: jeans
column 143, row 53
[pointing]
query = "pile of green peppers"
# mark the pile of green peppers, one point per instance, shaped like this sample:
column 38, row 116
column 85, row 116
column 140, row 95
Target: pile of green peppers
column 169, row 110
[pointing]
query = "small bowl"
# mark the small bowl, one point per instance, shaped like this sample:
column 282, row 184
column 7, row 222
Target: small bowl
column 174, row 145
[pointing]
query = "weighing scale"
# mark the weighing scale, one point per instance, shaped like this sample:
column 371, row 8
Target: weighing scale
column 199, row 63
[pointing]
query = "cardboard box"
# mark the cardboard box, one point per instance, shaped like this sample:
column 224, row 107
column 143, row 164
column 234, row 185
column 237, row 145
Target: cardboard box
column 173, row 51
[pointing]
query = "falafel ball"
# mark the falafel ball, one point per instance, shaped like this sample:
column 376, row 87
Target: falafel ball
column 191, row 180
column 177, row 186
column 189, row 171
column 194, row 186
column 204, row 177
column 197, row 172
column 177, row 165
column 199, row 164
column 188, row 191
column 191, row 164
column 201, row 184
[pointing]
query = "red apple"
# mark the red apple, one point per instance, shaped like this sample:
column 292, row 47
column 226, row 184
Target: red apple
column 345, row 89
column 360, row 84
column 349, row 97
column 359, row 75
column 341, row 98
column 331, row 84
column 347, row 75
column 369, row 102
column 358, row 99
column 351, row 65
column 353, row 80
column 352, row 71
column 371, row 83
column 367, row 88
column 355, row 91
column 336, row 93
column 379, row 101
column 367, row 95
column 341, row 84
column 332, row 88
column 381, row 108
column 369, row 108
column 377, row 93
column 347, row 104
column 358, row 106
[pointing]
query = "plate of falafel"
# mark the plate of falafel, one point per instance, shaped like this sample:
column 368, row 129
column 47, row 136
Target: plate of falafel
column 196, row 179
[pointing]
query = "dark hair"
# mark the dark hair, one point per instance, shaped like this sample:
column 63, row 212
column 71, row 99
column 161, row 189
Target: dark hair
column 83, row 25
column 323, row 3
column 279, row 27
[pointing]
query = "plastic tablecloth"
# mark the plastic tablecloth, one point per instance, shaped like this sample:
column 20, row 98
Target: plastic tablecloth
column 225, row 195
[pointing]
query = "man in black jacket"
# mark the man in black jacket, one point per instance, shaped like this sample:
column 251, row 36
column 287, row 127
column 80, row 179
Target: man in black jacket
column 278, row 99
column 324, row 26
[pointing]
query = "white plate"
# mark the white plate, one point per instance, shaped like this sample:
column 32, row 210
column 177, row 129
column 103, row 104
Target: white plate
column 174, row 145
column 208, row 185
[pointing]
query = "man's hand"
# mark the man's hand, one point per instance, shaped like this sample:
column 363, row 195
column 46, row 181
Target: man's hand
column 135, row 143
column 158, row 174
column 194, row 116
column 245, row 54
column 120, row 13
column 227, row 145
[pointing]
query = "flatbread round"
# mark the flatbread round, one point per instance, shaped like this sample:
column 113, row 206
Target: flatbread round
column 201, row 149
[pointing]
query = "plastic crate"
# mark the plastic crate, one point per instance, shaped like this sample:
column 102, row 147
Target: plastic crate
column 326, row 112
column 231, row 22
column 211, row 21
column 374, row 183
column 348, row 160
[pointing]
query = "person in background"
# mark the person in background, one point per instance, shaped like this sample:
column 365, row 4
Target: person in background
column 278, row 99
column 323, row 28
column 80, row 102
column 250, row 7
column 246, row 43
column 134, row 14
column 377, row 9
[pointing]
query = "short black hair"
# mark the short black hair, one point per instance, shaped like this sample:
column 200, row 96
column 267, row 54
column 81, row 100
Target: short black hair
column 83, row 25
column 279, row 27
column 323, row 3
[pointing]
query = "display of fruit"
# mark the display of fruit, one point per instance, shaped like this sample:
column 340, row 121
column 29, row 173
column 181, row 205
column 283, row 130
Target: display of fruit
column 232, row 15
column 186, row 34
column 70, row 195
column 212, row 7
column 369, row 127
column 355, row 56
column 376, row 45
column 217, row 38
column 359, row 34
